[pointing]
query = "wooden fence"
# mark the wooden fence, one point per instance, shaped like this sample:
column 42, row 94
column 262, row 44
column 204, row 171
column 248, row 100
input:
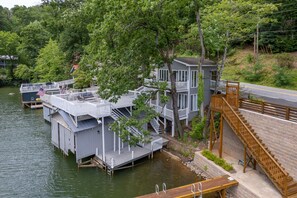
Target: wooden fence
column 275, row 110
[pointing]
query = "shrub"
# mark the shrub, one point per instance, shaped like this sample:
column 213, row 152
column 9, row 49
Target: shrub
column 250, row 58
column 281, row 76
column 197, row 131
column 285, row 60
column 254, row 73
column 219, row 161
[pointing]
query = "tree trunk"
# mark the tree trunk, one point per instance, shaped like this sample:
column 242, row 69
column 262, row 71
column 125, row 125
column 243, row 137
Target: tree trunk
column 202, row 57
column 174, row 102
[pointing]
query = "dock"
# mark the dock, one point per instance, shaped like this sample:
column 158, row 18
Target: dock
column 217, row 184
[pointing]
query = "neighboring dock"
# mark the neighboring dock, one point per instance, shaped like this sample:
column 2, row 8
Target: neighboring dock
column 218, row 184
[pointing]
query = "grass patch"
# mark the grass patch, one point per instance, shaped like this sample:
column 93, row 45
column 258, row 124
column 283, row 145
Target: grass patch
column 218, row 161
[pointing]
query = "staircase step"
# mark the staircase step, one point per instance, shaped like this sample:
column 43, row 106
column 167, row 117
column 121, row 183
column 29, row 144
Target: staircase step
column 292, row 191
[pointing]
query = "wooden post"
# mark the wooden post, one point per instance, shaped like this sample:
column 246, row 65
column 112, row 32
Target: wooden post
column 287, row 113
column 262, row 107
column 244, row 160
column 255, row 164
column 221, row 137
column 211, row 131
column 223, row 193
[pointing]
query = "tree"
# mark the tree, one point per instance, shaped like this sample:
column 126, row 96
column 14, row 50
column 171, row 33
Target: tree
column 8, row 46
column 23, row 72
column 133, row 38
column 50, row 64
column 5, row 19
column 33, row 38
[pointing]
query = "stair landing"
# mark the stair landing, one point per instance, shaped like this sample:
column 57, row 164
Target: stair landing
column 252, row 180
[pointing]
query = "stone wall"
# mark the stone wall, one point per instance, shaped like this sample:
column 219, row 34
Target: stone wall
column 213, row 170
column 280, row 136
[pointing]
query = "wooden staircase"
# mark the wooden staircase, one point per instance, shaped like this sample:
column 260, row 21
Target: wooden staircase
column 260, row 152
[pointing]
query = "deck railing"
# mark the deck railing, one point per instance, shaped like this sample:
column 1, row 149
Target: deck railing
column 268, row 163
column 275, row 110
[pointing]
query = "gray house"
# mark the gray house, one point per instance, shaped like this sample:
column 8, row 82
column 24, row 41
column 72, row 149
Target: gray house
column 80, row 124
column 186, row 76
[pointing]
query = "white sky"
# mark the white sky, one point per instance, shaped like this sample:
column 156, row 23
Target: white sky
column 11, row 3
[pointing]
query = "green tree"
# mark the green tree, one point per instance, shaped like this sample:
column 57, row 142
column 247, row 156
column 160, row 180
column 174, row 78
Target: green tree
column 8, row 46
column 33, row 38
column 133, row 38
column 23, row 72
column 50, row 64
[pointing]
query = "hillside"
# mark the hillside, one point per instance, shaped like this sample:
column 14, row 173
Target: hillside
column 276, row 70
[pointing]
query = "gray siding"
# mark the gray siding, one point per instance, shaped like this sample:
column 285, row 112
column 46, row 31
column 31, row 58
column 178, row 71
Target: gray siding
column 46, row 113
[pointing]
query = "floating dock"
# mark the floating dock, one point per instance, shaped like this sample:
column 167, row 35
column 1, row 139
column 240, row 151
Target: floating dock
column 217, row 184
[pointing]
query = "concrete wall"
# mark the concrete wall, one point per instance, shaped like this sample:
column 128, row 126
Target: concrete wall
column 213, row 170
column 280, row 136
column 232, row 145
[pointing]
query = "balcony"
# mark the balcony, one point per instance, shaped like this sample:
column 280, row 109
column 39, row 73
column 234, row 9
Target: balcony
column 180, row 86
column 169, row 112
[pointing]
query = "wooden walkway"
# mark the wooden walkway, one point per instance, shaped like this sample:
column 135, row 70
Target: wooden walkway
column 216, row 184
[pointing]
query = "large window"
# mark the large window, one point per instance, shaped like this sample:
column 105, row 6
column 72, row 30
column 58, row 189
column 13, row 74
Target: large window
column 163, row 75
column 194, row 78
column 182, row 101
column 194, row 106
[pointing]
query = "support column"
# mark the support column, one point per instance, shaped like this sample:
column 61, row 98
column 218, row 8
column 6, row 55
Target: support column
column 114, row 142
column 255, row 164
column 211, row 131
column 165, row 124
column 172, row 129
column 103, row 139
column 221, row 137
column 244, row 159
column 223, row 193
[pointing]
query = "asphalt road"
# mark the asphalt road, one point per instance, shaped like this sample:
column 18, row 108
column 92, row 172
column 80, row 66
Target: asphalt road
column 270, row 94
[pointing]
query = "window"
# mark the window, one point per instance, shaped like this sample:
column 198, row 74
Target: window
column 163, row 75
column 182, row 101
column 194, row 78
column 194, row 102
column 213, row 75
column 182, row 76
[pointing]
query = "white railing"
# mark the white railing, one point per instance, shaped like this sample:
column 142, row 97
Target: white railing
column 179, row 85
column 28, row 87
column 169, row 112
column 79, row 108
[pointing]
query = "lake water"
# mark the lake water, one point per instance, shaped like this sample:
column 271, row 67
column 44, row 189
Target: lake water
column 30, row 166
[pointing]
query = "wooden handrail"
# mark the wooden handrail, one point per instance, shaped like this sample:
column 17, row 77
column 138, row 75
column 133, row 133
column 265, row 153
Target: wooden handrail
column 283, row 171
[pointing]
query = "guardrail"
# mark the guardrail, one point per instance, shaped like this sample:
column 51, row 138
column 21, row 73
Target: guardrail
column 275, row 110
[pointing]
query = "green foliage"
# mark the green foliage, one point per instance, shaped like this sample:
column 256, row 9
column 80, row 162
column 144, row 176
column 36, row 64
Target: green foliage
column 50, row 65
column 23, row 72
column 142, row 114
column 285, row 60
column 197, row 129
column 282, row 76
column 219, row 161
column 200, row 90
column 250, row 58
column 33, row 37
column 254, row 73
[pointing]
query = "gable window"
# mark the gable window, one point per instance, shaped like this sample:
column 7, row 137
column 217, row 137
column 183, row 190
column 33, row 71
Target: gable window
column 182, row 101
column 213, row 75
column 194, row 78
column 193, row 100
column 163, row 75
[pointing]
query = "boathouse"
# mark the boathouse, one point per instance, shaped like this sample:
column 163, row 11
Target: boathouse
column 80, row 124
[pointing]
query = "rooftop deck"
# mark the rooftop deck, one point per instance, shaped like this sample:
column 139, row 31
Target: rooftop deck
column 87, row 103
column 34, row 87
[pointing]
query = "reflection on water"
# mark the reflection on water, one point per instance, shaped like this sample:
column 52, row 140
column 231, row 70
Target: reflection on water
column 31, row 167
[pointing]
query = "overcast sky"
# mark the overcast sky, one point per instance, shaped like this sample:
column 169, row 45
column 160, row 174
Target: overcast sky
column 11, row 3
